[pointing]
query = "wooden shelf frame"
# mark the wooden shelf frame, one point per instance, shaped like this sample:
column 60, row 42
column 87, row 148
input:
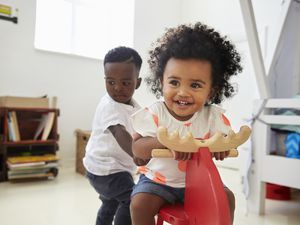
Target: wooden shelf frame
column 28, row 119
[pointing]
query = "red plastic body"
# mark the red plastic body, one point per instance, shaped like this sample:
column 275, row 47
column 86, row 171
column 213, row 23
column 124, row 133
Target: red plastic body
column 205, row 200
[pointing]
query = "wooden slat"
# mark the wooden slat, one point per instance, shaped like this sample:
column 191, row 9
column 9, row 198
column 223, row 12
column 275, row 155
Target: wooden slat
column 288, row 168
column 255, row 50
column 283, row 103
column 278, row 119
column 277, row 41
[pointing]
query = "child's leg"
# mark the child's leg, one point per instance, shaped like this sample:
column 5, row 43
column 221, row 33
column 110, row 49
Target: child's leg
column 107, row 211
column 125, row 185
column 148, row 197
column 144, row 207
column 114, row 191
column 231, row 200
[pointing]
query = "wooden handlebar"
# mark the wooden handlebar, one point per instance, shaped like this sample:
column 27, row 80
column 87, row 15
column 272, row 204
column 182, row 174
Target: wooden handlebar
column 166, row 153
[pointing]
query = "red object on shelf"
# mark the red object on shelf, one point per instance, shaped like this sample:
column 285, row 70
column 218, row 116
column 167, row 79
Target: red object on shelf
column 278, row 192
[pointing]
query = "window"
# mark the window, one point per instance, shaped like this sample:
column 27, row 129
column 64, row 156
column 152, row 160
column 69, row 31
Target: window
column 84, row 27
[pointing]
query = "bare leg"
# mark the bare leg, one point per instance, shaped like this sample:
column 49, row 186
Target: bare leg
column 144, row 207
column 231, row 201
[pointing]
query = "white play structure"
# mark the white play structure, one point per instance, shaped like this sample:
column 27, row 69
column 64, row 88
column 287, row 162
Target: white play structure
column 277, row 89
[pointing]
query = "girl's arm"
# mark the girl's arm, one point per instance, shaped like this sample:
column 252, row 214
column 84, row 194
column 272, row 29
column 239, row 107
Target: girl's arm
column 220, row 155
column 142, row 146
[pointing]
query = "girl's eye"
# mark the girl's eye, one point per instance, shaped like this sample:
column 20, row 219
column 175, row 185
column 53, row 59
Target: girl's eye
column 174, row 83
column 196, row 85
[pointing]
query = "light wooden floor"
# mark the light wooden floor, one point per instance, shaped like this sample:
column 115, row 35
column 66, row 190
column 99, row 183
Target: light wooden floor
column 70, row 200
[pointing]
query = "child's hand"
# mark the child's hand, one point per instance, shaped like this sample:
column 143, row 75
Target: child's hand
column 220, row 155
column 181, row 155
column 139, row 161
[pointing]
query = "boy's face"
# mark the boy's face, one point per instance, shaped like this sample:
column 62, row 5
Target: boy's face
column 121, row 79
column 187, row 85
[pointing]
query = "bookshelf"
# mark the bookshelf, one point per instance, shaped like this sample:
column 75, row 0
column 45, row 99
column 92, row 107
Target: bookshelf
column 28, row 143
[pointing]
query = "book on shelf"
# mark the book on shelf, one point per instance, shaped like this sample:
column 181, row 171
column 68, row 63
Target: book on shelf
column 32, row 159
column 28, row 176
column 46, row 173
column 31, row 171
column 44, row 128
column 20, row 165
column 46, row 123
column 48, row 126
column 30, row 166
column 40, row 127
column 24, row 166
column 16, row 125
column 13, row 127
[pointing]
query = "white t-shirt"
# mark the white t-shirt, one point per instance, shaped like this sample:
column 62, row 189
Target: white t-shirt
column 103, row 154
column 202, row 125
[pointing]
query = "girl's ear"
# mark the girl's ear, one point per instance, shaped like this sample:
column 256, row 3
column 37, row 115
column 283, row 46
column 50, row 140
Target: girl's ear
column 211, row 95
column 138, row 83
column 161, row 87
column 161, row 82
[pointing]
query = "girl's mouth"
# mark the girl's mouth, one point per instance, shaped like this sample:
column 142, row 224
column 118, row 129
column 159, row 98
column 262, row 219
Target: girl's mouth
column 182, row 103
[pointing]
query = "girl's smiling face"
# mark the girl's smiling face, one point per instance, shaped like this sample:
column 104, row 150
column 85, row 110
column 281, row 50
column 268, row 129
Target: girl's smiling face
column 187, row 86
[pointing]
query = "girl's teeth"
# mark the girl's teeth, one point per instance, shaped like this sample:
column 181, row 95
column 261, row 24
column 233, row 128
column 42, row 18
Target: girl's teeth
column 182, row 103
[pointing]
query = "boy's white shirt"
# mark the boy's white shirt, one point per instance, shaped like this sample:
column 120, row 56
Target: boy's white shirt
column 103, row 154
column 204, row 122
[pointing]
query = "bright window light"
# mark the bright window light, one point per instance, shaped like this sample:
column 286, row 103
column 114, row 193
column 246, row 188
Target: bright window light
column 84, row 27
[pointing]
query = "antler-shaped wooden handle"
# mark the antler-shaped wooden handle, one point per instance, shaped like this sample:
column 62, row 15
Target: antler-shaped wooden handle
column 217, row 143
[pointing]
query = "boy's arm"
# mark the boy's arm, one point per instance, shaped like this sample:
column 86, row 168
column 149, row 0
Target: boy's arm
column 142, row 146
column 123, row 138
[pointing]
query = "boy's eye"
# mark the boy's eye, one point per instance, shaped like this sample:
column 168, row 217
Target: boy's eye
column 127, row 83
column 174, row 83
column 196, row 85
column 110, row 82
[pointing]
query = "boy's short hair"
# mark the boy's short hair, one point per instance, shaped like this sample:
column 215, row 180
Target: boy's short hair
column 123, row 54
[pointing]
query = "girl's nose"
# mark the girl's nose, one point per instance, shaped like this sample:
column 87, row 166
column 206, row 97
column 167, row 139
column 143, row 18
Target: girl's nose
column 183, row 92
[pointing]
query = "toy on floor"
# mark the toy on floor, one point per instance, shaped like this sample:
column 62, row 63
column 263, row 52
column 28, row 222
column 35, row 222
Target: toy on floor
column 205, row 201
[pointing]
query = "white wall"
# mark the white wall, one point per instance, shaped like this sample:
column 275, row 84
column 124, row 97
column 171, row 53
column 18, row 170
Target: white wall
column 224, row 16
column 76, row 81
column 151, row 19
column 269, row 15
column 28, row 72
column 285, row 68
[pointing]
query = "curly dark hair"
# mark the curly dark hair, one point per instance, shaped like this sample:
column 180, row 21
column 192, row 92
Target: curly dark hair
column 196, row 41
column 123, row 54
